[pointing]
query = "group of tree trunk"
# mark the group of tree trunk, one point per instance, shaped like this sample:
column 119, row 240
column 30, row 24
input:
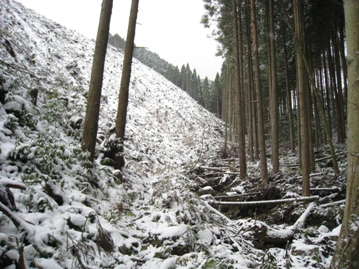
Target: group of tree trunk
column 90, row 126
column 286, row 77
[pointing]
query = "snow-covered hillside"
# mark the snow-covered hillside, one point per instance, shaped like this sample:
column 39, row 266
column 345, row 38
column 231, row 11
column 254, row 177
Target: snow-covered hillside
column 68, row 214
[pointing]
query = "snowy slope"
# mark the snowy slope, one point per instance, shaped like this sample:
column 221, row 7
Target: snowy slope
column 70, row 213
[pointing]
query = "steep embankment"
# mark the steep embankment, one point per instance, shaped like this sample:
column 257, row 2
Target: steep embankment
column 70, row 216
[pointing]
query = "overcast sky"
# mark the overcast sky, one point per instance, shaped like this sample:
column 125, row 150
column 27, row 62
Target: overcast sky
column 170, row 28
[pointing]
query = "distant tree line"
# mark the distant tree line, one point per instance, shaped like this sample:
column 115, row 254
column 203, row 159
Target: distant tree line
column 207, row 93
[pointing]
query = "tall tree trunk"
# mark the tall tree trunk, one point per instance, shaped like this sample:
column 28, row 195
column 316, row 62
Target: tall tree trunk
column 250, row 125
column 289, row 97
column 273, row 88
column 303, row 98
column 335, row 100
column 346, row 254
column 254, row 153
column 89, row 133
column 226, row 107
column 125, row 83
column 338, row 72
column 341, row 43
column 257, row 85
column 321, row 89
column 310, row 129
column 239, row 82
column 327, row 93
column 317, row 131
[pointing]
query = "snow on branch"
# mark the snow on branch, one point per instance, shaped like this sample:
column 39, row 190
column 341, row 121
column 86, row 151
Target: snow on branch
column 6, row 196
column 22, row 225
column 12, row 184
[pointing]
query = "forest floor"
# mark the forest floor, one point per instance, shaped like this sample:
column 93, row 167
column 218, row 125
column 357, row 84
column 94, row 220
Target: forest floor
column 278, row 205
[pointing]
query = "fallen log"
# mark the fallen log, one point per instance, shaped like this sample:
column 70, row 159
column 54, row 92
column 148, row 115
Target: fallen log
column 323, row 158
column 288, row 232
column 316, row 174
column 267, row 236
column 325, row 189
column 236, row 195
column 266, row 202
column 332, row 204
column 328, row 198
column 220, row 169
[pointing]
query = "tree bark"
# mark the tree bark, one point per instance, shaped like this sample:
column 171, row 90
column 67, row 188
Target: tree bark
column 252, row 121
column 303, row 98
column 273, row 93
column 90, row 126
column 125, row 84
column 346, row 254
column 289, row 96
column 239, row 86
column 339, row 96
column 257, row 85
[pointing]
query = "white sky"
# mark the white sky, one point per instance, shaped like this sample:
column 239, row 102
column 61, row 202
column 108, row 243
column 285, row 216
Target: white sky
column 170, row 28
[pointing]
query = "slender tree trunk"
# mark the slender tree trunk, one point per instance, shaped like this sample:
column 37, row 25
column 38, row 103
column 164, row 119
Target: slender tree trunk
column 334, row 84
column 125, row 83
column 317, row 131
column 239, row 82
column 90, row 127
column 273, row 88
column 289, row 96
column 226, row 108
column 321, row 89
column 302, row 92
column 254, row 153
column 346, row 254
column 327, row 93
column 257, row 85
column 341, row 43
column 338, row 72
column 249, row 121
column 310, row 129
